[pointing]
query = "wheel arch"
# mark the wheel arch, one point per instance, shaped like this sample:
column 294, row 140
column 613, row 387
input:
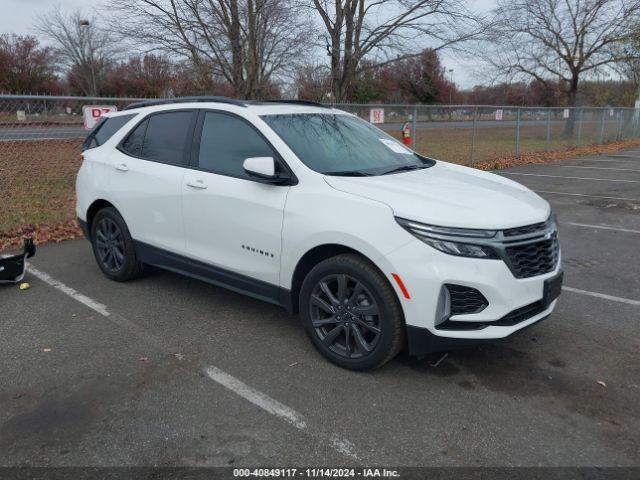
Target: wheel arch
column 310, row 259
column 93, row 209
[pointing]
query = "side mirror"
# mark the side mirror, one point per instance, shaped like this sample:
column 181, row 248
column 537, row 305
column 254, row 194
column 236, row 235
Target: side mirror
column 262, row 167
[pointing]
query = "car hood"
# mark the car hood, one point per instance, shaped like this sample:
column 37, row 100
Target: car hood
column 452, row 196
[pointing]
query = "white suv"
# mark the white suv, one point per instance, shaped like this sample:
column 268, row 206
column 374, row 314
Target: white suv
column 313, row 209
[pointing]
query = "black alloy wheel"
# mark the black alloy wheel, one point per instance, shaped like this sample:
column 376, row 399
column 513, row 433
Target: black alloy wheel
column 351, row 312
column 113, row 246
column 110, row 245
column 345, row 316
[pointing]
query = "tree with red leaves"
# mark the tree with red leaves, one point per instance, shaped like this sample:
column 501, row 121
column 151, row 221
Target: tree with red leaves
column 146, row 76
column 25, row 66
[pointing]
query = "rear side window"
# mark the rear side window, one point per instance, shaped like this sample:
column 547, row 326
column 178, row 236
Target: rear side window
column 105, row 130
column 133, row 144
column 226, row 142
column 166, row 137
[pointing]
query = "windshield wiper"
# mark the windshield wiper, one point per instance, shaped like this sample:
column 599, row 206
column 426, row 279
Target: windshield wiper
column 349, row 173
column 404, row 168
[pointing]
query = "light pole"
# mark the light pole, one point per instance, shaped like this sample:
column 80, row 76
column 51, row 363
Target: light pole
column 84, row 24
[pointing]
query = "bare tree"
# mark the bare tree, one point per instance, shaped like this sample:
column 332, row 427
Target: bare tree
column 85, row 49
column 630, row 66
column 247, row 42
column 561, row 40
column 384, row 31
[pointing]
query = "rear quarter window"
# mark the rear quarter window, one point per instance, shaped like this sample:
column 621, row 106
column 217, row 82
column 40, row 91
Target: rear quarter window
column 105, row 130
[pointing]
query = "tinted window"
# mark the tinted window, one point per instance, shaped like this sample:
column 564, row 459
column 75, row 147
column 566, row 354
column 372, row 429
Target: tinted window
column 342, row 144
column 166, row 137
column 105, row 129
column 111, row 126
column 133, row 143
column 226, row 142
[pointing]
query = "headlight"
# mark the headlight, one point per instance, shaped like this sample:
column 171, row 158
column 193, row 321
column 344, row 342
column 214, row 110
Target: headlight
column 463, row 242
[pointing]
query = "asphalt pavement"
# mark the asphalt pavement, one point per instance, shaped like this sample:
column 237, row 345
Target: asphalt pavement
column 170, row 371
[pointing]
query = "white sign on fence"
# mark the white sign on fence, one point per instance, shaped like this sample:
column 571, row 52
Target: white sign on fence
column 499, row 113
column 376, row 115
column 92, row 113
column 565, row 113
column 22, row 116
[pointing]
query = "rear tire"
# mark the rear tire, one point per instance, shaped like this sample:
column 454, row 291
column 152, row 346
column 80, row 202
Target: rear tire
column 113, row 246
column 351, row 313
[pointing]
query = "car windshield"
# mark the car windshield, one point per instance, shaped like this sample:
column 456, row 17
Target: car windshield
column 343, row 145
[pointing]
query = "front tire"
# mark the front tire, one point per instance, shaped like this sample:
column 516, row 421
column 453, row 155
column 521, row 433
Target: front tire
column 113, row 246
column 351, row 313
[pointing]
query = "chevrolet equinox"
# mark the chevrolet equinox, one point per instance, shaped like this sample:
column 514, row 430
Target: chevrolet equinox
column 311, row 208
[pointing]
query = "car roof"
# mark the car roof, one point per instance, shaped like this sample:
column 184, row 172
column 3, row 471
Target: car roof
column 268, row 107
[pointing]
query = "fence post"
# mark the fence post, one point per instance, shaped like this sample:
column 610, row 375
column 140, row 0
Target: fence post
column 473, row 137
column 619, row 135
column 518, row 132
column 548, row 141
column 604, row 111
column 414, row 125
column 580, row 126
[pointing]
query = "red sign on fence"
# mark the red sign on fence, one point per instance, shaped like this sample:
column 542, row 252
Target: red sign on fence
column 376, row 115
column 92, row 113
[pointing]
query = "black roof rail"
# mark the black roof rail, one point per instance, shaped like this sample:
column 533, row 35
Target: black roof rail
column 167, row 101
column 298, row 102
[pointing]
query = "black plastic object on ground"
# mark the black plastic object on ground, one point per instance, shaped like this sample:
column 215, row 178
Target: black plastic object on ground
column 12, row 268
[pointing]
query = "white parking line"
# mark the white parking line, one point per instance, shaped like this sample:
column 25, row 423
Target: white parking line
column 625, row 156
column 574, row 178
column 605, row 160
column 602, row 227
column 89, row 302
column 604, row 296
column 274, row 407
column 586, row 195
column 268, row 404
column 257, row 398
column 592, row 168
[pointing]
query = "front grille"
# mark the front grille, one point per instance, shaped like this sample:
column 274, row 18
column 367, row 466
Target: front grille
column 521, row 314
column 465, row 300
column 512, row 318
column 531, row 259
column 513, row 232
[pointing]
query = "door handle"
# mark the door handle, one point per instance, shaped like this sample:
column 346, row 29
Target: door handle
column 197, row 184
column 122, row 167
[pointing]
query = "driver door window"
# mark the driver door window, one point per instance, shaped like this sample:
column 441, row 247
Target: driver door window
column 226, row 142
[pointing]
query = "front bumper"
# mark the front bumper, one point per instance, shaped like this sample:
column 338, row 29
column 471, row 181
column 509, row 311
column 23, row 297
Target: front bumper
column 424, row 272
column 420, row 341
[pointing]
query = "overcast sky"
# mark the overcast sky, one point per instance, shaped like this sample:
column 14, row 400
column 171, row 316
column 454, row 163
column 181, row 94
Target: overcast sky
column 18, row 16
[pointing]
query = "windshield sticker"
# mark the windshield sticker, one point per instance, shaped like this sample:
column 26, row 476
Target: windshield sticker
column 395, row 146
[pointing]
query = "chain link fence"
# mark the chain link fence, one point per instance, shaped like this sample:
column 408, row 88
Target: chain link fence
column 40, row 139
column 40, row 147
column 468, row 134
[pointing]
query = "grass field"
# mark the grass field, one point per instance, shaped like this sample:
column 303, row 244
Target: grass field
column 490, row 143
column 38, row 176
column 38, row 179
